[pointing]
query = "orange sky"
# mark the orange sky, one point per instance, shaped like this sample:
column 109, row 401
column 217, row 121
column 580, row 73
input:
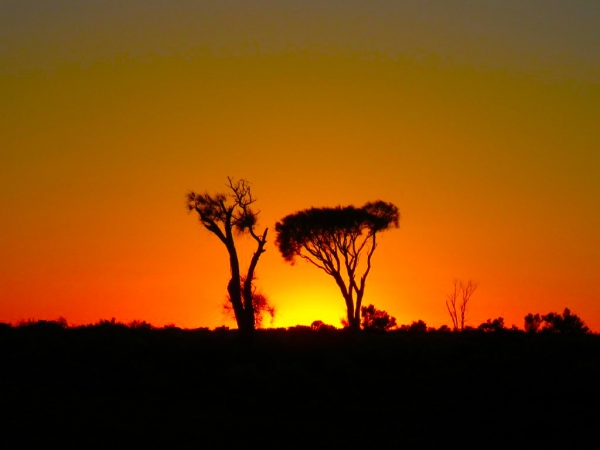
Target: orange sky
column 478, row 122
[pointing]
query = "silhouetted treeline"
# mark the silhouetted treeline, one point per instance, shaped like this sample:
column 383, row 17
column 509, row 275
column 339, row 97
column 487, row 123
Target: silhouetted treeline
column 128, row 385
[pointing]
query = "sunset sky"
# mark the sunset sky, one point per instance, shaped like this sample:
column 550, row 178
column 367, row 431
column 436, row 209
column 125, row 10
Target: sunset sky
column 480, row 120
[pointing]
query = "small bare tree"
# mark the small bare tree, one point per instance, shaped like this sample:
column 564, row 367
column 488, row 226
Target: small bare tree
column 463, row 292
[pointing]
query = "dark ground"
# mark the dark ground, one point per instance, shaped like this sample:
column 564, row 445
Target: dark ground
column 122, row 387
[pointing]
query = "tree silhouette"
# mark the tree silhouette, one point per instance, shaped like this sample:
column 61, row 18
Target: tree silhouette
column 532, row 323
column 227, row 215
column 418, row 326
column 334, row 239
column 492, row 325
column 464, row 291
column 376, row 320
column 566, row 323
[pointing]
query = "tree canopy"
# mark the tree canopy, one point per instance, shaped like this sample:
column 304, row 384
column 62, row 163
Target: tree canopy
column 335, row 240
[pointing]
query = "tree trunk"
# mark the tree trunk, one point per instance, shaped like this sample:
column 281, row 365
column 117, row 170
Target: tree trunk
column 245, row 325
column 353, row 319
column 359, row 296
column 235, row 296
column 246, row 330
column 355, row 324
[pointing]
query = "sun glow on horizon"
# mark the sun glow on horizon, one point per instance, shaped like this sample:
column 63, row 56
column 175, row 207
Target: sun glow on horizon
column 303, row 308
column 482, row 132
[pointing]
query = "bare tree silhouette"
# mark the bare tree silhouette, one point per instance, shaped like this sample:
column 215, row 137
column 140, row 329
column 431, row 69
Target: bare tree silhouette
column 225, row 215
column 462, row 291
column 334, row 239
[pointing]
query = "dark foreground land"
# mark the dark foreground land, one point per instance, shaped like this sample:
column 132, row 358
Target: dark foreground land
column 122, row 387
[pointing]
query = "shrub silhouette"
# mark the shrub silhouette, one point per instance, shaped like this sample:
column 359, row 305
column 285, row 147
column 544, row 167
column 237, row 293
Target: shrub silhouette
column 492, row 325
column 556, row 323
column 376, row 320
column 318, row 325
column 533, row 323
column 139, row 324
column 566, row 323
column 416, row 327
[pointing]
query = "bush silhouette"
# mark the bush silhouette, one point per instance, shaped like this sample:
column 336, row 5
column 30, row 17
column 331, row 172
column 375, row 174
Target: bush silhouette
column 533, row 323
column 416, row 327
column 376, row 320
column 556, row 323
column 492, row 325
column 566, row 323
column 318, row 325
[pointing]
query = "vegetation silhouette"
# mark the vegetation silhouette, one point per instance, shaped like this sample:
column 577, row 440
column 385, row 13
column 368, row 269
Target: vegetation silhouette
column 492, row 325
column 334, row 239
column 318, row 325
column 376, row 320
column 227, row 215
column 261, row 304
column 125, row 385
column 464, row 292
column 565, row 323
column 418, row 326
column 532, row 323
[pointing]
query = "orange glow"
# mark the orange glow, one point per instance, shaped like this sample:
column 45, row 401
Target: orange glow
column 318, row 300
column 491, row 157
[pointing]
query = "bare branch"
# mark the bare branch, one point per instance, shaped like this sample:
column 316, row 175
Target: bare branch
column 466, row 291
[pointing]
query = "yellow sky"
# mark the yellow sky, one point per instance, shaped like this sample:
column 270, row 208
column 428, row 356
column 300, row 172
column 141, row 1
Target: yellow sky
column 478, row 122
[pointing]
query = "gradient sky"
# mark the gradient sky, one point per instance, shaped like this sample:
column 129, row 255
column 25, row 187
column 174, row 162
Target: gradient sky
column 478, row 119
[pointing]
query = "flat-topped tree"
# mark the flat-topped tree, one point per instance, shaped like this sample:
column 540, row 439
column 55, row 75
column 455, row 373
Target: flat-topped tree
column 341, row 242
column 226, row 215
